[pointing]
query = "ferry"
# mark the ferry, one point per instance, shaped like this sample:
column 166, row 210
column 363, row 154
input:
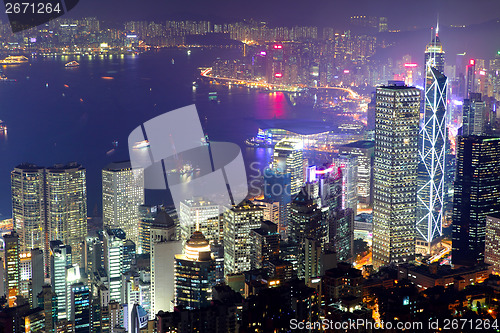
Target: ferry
column 141, row 144
column 4, row 78
column 14, row 60
column 3, row 127
column 72, row 64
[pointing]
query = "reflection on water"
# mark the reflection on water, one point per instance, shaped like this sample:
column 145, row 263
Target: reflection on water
column 46, row 128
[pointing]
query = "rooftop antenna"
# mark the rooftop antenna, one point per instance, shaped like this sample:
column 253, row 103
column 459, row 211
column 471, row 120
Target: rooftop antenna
column 437, row 26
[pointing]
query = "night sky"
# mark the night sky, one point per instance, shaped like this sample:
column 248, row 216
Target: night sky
column 402, row 14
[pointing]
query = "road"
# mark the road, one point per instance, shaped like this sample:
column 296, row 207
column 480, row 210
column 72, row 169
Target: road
column 206, row 73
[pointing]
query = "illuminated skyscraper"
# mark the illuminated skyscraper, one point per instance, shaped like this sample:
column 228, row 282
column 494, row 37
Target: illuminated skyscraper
column 60, row 257
column 66, row 194
column 12, row 267
column 349, row 166
column 491, row 250
column 122, row 194
column 473, row 120
column 434, row 54
column 470, row 86
column 395, row 176
column 198, row 211
column 306, row 221
column 194, row 273
column 433, row 136
column 238, row 222
column 80, row 307
column 476, row 195
column 364, row 150
column 50, row 204
column 164, row 247
column 116, row 260
column 28, row 206
column 288, row 157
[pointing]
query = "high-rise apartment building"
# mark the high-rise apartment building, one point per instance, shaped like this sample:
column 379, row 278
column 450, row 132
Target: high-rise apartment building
column 238, row 222
column 122, row 194
column 433, row 136
column 395, row 175
column 476, row 195
column 194, row 273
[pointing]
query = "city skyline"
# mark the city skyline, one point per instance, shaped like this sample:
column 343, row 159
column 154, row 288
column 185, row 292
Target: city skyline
column 359, row 179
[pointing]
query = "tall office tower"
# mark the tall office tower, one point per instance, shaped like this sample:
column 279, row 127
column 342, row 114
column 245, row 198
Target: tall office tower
column 12, row 267
column 28, row 206
column 433, row 136
column 341, row 233
column 434, row 54
column 306, row 221
column 288, row 157
column 312, row 259
column 60, row 257
column 477, row 194
column 122, row 194
column 271, row 210
column 147, row 214
column 114, row 261
column 277, row 188
column 474, row 110
column 470, row 86
column 92, row 255
column 37, row 276
column 349, row 166
column 164, row 247
column 80, row 307
column 47, row 300
column 198, row 211
column 364, row 150
column 66, row 194
column 492, row 239
column 495, row 75
column 194, row 274
column 265, row 244
column 238, row 221
column 395, row 175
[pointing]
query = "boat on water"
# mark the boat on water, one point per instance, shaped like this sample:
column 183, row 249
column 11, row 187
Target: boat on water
column 4, row 78
column 141, row 144
column 14, row 60
column 72, row 64
column 3, row 127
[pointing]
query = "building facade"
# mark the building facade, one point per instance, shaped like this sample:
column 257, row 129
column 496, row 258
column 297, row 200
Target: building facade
column 395, row 175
